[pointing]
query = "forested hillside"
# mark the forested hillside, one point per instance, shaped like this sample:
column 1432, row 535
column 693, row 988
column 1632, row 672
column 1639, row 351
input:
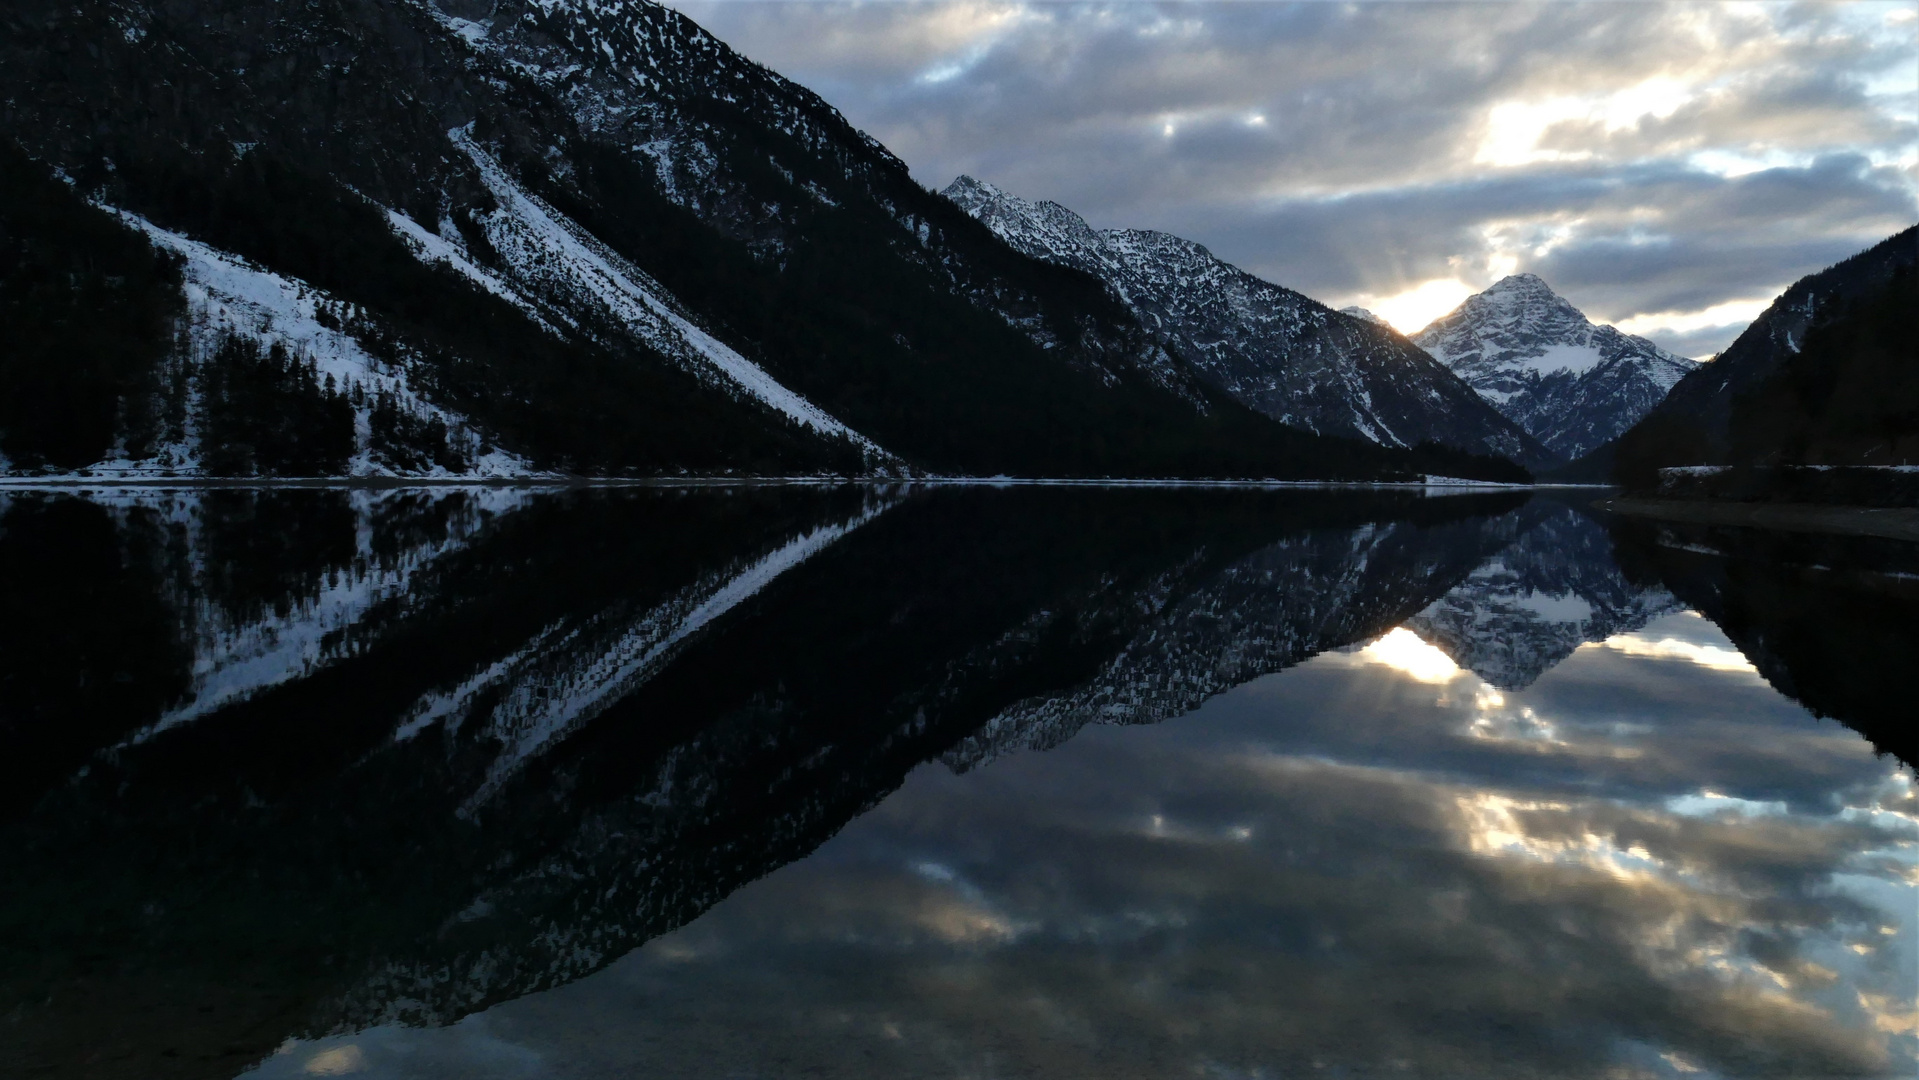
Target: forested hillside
column 1849, row 396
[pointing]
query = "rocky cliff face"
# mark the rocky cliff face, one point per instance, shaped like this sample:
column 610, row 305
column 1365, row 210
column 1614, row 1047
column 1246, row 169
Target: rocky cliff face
column 1535, row 357
column 1282, row 353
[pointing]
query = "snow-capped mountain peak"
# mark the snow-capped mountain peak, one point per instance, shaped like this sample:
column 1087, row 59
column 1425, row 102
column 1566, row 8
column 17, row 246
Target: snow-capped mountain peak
column 1361, row 313
column 1570, row 383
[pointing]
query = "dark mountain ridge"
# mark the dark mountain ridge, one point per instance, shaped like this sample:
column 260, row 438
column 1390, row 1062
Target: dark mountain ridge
column 1826, row 375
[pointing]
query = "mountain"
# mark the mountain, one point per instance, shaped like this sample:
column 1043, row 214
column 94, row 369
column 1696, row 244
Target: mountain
column 1551, row 589
column 1571, row 384
column 1282, row 353
column 1324, row 588
column 533, row 237
column 1826, row 375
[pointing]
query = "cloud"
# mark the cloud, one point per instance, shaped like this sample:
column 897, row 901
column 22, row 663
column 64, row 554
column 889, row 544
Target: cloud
column 1644, row 158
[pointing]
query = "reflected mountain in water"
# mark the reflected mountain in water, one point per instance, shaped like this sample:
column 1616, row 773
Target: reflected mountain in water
column 301, row 762
column 1321, row 589
column 403, row 757
column 135, row 610
column 1552, row 588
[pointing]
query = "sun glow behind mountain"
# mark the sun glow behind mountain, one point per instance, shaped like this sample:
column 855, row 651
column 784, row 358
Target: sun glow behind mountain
column 1410, row 311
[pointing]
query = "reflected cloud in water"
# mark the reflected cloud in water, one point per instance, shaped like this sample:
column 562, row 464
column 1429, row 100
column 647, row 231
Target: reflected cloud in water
column 1369, row 862
column 912, row 782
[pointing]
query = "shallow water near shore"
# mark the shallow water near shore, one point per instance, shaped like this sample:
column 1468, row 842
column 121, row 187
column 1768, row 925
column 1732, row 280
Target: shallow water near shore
column 908, row 782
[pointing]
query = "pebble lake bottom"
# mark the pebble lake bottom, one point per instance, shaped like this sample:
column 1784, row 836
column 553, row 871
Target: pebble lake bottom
column 951, row 783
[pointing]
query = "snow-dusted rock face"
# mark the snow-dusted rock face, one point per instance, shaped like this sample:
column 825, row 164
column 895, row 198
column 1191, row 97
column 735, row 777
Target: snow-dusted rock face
column 1572, row 385
column 1282, row 353
column 644, row 77
column 1554, row 588
column 633, row 251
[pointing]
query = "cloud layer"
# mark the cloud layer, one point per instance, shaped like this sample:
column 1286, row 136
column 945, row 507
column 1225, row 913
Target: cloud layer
column 1667, row 166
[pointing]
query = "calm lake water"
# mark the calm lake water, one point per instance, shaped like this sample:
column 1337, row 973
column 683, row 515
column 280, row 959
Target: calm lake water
column 952, row 782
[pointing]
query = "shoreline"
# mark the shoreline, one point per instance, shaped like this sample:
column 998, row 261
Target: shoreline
column 1895, row 523
column 387, row 483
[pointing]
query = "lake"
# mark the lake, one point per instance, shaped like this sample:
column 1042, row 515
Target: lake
column 949, row 781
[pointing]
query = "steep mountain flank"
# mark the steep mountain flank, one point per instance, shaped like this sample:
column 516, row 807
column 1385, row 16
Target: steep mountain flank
column 1825, row 376
column 1282, row 353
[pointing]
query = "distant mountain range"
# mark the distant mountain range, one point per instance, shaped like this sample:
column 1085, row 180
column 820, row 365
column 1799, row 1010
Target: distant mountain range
column 1541, row 362
column 1285, row 354
column 515, row 238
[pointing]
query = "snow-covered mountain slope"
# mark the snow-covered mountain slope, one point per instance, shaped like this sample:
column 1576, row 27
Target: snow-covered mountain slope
column 552, row 256
column 1571, row 384
column 1554, row 588
column 228, row 296
column 645, row 78
column 1282, row 353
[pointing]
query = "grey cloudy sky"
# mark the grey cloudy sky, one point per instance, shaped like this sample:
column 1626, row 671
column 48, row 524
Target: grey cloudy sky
column 1669, row 167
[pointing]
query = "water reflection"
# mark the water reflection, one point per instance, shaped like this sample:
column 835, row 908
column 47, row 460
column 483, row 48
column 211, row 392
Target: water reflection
column 405, row 759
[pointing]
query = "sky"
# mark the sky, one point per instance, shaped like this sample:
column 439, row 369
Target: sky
column 1667, row 167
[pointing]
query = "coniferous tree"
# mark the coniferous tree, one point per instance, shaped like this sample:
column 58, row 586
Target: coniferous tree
column 266, row 413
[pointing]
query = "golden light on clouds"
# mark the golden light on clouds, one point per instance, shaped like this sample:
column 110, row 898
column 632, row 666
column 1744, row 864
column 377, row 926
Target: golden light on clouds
column 1659, row 164
column 1668, row 648
column 1519, row 132
column 339, row 1061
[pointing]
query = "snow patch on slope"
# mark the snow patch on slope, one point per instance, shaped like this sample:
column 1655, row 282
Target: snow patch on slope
column 560, row 680
column 226, row 294
column 430, row 247
column 547, row 249
column 234, row 660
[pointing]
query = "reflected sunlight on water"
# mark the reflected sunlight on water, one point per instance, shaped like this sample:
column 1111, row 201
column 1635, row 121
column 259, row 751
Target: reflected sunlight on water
column 1402, row 650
